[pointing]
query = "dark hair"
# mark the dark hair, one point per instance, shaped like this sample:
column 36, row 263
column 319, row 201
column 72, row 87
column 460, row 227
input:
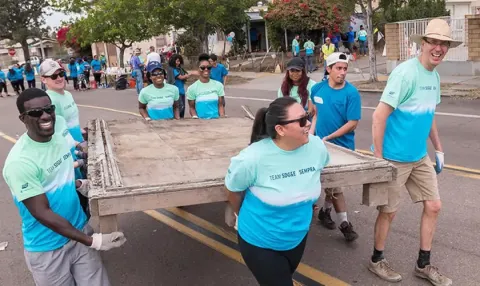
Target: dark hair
column 27, row 95
column 267, row 118
column 28, row 67
column 173, row 59
column 203, row 57
column 213, row 57
column 287, row 85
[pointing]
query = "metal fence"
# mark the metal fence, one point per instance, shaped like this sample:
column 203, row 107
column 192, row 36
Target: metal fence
column 409, row 49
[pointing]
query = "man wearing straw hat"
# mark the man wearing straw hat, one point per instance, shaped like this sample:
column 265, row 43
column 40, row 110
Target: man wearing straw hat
column 402, row 122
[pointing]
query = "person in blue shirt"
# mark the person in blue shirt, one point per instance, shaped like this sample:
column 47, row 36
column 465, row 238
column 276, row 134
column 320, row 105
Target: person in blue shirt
column 337, row 110
column 15, row 76
column 30, row 75
column 73, row 68
column 178, row 77
column 205, row 96
column 3, row 84
column 272, row 186
column 218, row 72
column 60, row 248
column 350, row 39
column 137, row 70
column 81, row 74
column 97, row 70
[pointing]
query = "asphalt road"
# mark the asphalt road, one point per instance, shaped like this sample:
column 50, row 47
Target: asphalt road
column 192, row 246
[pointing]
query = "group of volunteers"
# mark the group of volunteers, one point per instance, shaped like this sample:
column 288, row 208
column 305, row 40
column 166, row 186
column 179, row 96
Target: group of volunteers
column 80, row 70
column 16, row 75
column 163, row 100
column 273, row 184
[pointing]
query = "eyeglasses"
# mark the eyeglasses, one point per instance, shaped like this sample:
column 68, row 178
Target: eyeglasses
column 435, row 43
column 205, row 67
column 158, row 73
column 56, row 75
column 37, row 112
column 302, row 120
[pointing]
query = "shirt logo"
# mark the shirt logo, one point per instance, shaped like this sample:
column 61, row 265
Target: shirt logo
column 24, row 186
column 318, row 100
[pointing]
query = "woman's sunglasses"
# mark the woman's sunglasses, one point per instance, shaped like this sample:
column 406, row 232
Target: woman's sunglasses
column 56, row 75
column 205, row 67
column 37, row 112
column 302, row 120
column 158, row 73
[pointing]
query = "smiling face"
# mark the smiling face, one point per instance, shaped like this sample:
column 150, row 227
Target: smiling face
column 158, row 78
column 295, row 127
column 55, row 81
column 295, row 74
column 433, row 52
column 204, row 69
column 39, row 118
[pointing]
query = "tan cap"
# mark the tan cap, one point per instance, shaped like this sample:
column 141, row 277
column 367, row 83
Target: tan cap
column 437, row 29
column 49, row 67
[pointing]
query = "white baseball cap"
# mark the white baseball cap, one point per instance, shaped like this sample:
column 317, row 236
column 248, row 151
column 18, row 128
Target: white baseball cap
column 337, row 58
column 49, row 67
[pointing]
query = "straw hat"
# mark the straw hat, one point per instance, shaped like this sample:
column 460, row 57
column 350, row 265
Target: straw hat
column 437, row 29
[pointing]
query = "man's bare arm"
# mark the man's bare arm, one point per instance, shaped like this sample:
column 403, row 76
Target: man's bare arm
column 434, row 137
column 380, row 115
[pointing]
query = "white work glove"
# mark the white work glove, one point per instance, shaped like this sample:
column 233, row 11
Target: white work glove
column 236, row 222
column 195, row 117
column 81, row 163
column 83, row 189
column 107, row 241
column 148, row 119
column 439, row 161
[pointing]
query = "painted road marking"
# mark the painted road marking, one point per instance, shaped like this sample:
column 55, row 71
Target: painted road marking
column 364, row 107
column 110, row 109
column 304, row 269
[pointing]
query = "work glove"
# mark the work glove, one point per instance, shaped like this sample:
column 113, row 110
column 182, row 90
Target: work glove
column 83, row 146
column 439, row 161
column 81, row 155
column 81, row 163
column 148, row 119
column 194, row 117
column 107, row 241
column 83, row 189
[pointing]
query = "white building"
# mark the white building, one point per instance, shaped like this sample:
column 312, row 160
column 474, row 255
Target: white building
column 460, row 8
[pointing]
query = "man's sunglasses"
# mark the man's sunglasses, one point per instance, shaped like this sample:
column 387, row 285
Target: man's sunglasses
column 205, row 67
column 302, row 120
column 37, row 112
column 56, row 75
column 157, row 73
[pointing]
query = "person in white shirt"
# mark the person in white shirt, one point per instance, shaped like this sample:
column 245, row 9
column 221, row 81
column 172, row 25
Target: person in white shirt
column 152, row 56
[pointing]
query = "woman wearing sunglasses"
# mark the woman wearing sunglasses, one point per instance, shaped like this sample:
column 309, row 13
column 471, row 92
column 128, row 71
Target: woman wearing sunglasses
column 205, row 96
column 297, row 84
column 272, row 186
column 159, row 100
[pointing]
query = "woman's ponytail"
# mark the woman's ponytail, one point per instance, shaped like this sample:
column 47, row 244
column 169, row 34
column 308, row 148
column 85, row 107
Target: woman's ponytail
column 259, row 129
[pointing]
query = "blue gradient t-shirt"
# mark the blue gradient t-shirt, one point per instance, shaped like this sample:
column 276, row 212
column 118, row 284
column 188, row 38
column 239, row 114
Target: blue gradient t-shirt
column 281, row 188
column 206, row 96
column 66, row 107
column 33, row 168
column 159, row 101
column 414, row 93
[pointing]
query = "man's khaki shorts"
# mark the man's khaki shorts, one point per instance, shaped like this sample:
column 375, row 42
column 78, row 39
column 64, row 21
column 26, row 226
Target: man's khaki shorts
column 420, row 180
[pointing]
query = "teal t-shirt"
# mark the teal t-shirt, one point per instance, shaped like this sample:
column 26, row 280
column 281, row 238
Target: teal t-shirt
column 68, row 109
column 295, row 47
column 309, row 48
column 414, row 93
column 62, row 128
column 294, row 92
column 159, row 101
column 33, row 168
column 280, row 189
column 206, row 96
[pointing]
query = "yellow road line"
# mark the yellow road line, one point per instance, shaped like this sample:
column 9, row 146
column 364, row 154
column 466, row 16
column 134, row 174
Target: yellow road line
column 215, row 245
column 305, row 270
column 8, row 138
column 447, row 166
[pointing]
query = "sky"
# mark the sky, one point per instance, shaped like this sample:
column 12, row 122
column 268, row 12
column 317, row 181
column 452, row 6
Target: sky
column 55, row 19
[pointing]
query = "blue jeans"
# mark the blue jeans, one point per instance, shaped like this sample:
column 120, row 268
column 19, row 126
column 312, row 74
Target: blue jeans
column 139, row 80
column 363, row 47
column 309, row 62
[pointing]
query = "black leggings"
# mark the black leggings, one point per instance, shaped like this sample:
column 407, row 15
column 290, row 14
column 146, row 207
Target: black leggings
column 271, row 267
column 3, row 87
column 31, row 83
column 98, row 78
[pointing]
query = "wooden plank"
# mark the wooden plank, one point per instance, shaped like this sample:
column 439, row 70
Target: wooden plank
column 108, row 223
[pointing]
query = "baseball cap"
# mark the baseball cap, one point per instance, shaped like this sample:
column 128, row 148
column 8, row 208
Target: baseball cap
column 296, row 63
column 49, row 67
column 154, row 66
column 337, row 58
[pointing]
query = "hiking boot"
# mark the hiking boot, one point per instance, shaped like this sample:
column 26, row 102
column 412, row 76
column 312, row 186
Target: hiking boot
column 431, row 274
column 384, row 271
column 325, row 218
column 347, row 229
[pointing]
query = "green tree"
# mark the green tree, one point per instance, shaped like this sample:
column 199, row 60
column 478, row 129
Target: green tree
column 21, row 20
column 205, row 17
column 401, row 10
column 118, row 22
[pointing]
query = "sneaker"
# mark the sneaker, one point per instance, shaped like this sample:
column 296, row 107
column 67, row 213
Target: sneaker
column 325, row 218
column 383, row 270
column 347, row 229
column 431, row 274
